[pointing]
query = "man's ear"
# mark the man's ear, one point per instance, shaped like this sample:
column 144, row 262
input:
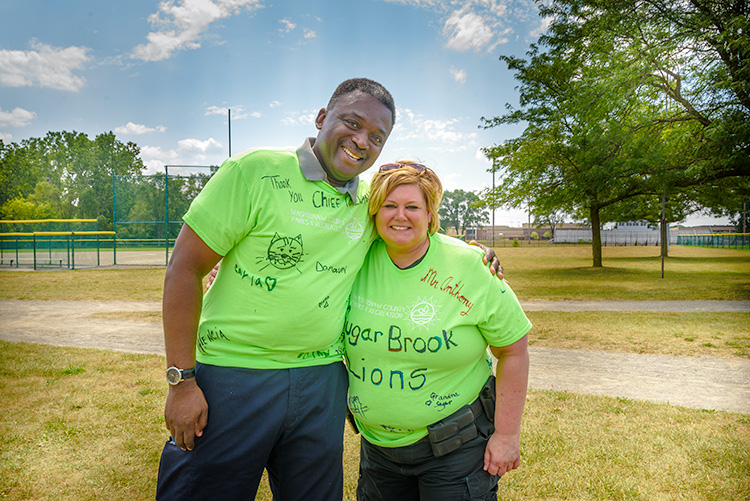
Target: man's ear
column 320, row 118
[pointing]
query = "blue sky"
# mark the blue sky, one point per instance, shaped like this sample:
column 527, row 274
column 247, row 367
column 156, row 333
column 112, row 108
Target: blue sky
column 164, row 74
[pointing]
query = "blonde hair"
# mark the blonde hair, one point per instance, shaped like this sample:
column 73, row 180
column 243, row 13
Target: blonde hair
column 386, row 181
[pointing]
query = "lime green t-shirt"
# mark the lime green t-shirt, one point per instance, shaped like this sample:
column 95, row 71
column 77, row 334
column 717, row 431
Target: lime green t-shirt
column 292, row 249
column 416, row 339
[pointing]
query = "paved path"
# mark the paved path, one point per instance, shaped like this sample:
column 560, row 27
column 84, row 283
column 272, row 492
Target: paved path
column 699, row 382
column 685, row 306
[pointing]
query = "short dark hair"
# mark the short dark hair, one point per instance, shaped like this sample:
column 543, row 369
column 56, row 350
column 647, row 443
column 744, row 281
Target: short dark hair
column 368, row 87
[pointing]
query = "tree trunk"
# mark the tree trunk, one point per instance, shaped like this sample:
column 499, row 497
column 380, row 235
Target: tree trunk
column 596, row 236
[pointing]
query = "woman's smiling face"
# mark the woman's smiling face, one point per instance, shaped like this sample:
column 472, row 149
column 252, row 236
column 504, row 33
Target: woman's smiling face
column 403, row 219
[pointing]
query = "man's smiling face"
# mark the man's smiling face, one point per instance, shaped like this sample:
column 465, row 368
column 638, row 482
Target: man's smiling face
column 352, row 134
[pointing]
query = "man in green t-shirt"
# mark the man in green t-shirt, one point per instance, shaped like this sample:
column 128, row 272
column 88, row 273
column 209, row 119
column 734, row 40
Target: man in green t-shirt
column 255, row 370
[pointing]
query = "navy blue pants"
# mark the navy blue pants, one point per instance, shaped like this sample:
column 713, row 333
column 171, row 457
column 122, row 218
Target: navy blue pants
column 289, row 421
column 413, row 473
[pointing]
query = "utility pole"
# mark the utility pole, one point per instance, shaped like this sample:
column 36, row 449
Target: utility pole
column 493, row 209
column 229, row 121
column 664, row 231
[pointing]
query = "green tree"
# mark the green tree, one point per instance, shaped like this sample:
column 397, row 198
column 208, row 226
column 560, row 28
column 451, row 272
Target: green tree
column 550, row 218
column 630, row 100
column 182, row 191
column 21, row 208
column 461, row 209
column 730, row 198
column 71, row 169
column 42, row 203
column 691, row 54
column 93, row 182
column 584, row 148
column 18, row 174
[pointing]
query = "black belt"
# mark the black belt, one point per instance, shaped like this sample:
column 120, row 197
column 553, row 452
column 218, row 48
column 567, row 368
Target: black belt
column 452, row 432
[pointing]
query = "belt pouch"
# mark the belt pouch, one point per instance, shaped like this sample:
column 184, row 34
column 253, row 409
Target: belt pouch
column 450, row 433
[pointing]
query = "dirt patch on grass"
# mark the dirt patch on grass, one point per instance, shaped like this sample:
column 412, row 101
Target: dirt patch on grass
column 699, row 382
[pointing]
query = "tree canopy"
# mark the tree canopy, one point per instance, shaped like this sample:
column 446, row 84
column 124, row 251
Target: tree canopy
column 461, row 209
column 624, row 102
column 63, row 175
column 67, row 175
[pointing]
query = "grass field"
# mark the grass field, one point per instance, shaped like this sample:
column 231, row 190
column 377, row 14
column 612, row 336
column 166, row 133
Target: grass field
column 554, row 273
column 83, row 424
column 629, row 273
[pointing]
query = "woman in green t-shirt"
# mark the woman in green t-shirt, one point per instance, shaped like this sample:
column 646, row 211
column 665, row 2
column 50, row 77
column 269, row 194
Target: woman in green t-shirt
column 435, row 422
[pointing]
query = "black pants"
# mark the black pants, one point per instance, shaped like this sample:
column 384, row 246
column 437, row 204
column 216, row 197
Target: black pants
column 289, row 421
column 414, row 473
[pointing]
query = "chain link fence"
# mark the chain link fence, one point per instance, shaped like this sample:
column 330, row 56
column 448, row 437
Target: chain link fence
column 721, row 241
column 147, row 211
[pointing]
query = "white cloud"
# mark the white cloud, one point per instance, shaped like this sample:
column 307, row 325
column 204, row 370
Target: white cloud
column 498, row 9
column 6, row 137
column 543, row 26
column 154, row 158
column 288, row 26
column 238, row 112
column 419, row 3
column 458, row 75
column 208, row 145
column 466, row 30
column 479, row 155
column 188, row 152
column 153, row 166
column 43, row 65
column 17, row 117
column 138, row 129
column 274, row 104
column 415, row 127
column 181, row 24
column 481, row 24
column 300, row 118
column 155, row 152
column 309, row 34
column 217, row 110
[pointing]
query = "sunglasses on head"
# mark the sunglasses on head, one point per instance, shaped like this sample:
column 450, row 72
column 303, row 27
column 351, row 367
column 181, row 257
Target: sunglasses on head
column 417, row 167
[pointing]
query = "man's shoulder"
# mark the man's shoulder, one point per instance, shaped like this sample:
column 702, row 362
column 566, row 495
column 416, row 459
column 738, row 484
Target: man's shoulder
column 258, row 163
column 454, row 243
column 252, row 155
column 457, row 250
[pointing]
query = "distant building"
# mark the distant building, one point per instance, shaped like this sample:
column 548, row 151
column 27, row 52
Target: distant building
column 706, row 230
column 633, row 226
column 621, row 233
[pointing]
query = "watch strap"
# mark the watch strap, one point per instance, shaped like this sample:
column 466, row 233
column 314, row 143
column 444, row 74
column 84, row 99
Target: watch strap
column 184, row 374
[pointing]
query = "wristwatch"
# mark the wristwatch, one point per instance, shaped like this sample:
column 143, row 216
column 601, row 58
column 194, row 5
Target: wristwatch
column 176, row 376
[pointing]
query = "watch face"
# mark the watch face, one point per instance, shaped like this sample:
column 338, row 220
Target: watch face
column 173, row 375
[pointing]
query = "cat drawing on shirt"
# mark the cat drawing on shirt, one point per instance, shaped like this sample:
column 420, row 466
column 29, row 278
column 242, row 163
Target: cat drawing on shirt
column 284, row 252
